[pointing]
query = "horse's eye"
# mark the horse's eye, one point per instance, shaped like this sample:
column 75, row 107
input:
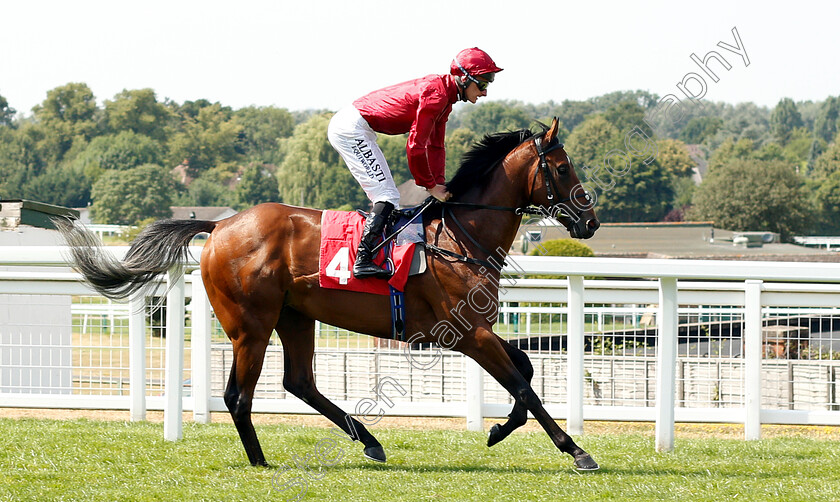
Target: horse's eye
column 563, row 169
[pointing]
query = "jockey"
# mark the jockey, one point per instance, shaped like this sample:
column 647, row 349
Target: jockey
column 420, row 108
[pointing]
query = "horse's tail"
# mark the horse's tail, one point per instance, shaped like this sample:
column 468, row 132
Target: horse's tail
column 159, row 247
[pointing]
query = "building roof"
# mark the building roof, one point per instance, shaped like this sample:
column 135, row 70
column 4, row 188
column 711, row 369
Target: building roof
column 212, row 213
column 695, row 240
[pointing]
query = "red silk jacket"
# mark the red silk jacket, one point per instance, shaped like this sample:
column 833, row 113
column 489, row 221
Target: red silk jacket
column 420, row 108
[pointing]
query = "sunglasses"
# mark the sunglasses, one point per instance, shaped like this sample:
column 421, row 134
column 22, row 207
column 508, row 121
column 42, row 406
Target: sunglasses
column 481, row 84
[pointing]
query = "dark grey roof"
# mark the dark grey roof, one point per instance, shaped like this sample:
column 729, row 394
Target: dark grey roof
column 212, row 213
column 681, row 240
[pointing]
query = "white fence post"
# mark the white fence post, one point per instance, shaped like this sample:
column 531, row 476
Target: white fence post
column 137, row 356
column 574, row 350
column 475, row 395
column 200, row 350
column 667, row 324
column 752, row 359
column 173, row 380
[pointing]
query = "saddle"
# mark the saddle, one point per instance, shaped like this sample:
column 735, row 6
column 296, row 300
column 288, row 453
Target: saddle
column 340, row 234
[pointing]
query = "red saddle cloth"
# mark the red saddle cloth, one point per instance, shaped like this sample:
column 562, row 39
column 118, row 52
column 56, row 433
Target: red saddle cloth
column 340, row 235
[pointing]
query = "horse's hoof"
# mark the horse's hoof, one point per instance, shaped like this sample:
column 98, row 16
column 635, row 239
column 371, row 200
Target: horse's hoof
column 495, row 435
column 375, row 453
column 584, row 462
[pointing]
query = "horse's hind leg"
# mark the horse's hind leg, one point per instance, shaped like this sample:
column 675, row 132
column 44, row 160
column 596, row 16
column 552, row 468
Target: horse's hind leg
column 297, row 332
column 519, row 415
column 248, row 353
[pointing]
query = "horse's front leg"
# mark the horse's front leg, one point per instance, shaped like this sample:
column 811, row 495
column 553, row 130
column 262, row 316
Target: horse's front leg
column 487, row 349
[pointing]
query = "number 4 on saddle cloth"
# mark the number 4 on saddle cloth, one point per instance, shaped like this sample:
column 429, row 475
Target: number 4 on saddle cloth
column 340, row 235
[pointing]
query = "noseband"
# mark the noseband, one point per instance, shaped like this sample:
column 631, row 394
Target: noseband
column 550, row 182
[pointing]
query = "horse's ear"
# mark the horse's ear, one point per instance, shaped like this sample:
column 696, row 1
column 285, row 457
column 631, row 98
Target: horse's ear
column 553, row 130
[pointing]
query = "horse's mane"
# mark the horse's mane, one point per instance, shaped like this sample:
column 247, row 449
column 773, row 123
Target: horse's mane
column 483, row 158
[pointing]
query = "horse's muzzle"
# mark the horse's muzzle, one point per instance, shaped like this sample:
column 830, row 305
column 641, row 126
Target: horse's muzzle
column 584, row 229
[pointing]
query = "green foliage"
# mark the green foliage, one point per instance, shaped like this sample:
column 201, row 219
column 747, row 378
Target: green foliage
column 784, row 120
column 7, row 113
column 627, row 115
column 67, row 115
column 591, row 140
column 825, row 125
column 731, row 151
column 206, row 192
column 829, row 162
column 827, row 198
column 312, row 173
column 491, row 117
column 262, row 130
column 699, row 129
column 126, row 197
column 256, row 185
column 393, row 148
column 458, row 142
column 137, row 111
column 749, row 195
column 205, row 140
column 673, row 155
column 562, row 247
column 118, row 152
column 62, row 186
column 572, row 113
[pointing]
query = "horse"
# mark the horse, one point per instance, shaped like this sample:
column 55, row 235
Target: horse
column 260, row 269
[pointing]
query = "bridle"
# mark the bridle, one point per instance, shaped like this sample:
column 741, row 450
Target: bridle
column 550, row 186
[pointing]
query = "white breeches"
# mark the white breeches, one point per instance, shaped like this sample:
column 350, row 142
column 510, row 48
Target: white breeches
column 350, row 134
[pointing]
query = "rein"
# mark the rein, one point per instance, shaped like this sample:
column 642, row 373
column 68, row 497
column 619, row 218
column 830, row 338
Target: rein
column 551, row 189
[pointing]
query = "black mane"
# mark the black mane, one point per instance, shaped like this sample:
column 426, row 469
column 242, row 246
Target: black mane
column 483, row 158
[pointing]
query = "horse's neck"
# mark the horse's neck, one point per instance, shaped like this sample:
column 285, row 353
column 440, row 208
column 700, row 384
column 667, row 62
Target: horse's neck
column 494, row 229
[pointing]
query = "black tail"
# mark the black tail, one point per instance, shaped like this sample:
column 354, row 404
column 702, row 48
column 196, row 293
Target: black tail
column 159, row 247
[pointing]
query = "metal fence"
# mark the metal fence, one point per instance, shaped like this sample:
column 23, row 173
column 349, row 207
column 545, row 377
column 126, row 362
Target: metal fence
column 720, row 345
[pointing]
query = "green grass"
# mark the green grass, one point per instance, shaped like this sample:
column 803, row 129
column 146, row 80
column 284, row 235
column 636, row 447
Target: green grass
column 93, row 460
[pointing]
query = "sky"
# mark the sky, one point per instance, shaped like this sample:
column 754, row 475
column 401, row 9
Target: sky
column 323, row 54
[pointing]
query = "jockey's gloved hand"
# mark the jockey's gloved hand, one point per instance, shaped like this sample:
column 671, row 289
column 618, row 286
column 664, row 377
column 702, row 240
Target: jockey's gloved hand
column 439, row 192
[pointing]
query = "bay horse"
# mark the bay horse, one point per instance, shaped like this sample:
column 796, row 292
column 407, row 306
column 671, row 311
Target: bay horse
column 260, row 270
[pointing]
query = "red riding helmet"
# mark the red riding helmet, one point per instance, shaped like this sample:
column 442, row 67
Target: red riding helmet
column 472, row 62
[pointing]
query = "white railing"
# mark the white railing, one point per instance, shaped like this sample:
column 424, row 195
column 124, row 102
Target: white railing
column 751, row 288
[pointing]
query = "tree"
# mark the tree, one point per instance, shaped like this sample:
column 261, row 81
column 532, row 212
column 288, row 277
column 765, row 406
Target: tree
column 674, row 157
column 492, row 117
column 825, row 125
column 644, row 193
column 7, row 114
column 257, row 185
column 62, row 186
column 828, row 162
column 68, row 115
column 627, row 115
column 827, row 199
column 121, row 151
column 206, row 192
column 591, row 140
column 206, row 140
column 625, row 191
column 126, row 197
column 754, row 195
column 458, row 142
column 784, row 120
column 137, row 111
column 699, row 129
column 262, row 130
column 572, row 113
column 312, row 173
column 393, row 148
column 731, row 151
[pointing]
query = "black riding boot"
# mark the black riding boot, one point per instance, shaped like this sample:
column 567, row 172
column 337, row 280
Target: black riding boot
column 374, row 225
